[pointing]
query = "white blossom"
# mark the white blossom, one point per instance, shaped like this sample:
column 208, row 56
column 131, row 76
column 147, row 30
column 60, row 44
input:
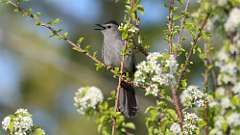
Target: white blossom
column 161, row 79
column 209, row 25
column 225, row 102
column 190, row 126
column 213, row 104
column 171, row 62
column 234, row 119
column 224, row 78
column 153, row 90
column 227, row 61
column 154, row 56
column 193, row 96
column 236, row 40
column 220, row 91
column 86, row 98
column 222, row 2
column 233, row 21
column 236, row 88
column 20, row 123
column 229, row 68
column 233, row 49
column 219, row 133
column 156, row 72
column 6, row 122
column 133, row 29
column 222, row 56
column 175, row 128
column 43, row 132
column 22, row 111
column 23, row 121
column 219, row 121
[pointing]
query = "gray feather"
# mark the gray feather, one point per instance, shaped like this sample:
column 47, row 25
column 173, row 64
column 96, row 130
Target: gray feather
column 111, row 53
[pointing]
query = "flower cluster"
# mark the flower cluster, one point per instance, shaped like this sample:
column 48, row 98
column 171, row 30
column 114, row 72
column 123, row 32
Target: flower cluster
column 233, row 21
column 156, row 72
column 87, row 98
column 227, row 65
column 175, row 128
column 226, row 97
column 227, row 94
column 190, row 124
column 127, row 30
column 221, row 2
column 193, row 96
column 234, row 119
column 20, row 123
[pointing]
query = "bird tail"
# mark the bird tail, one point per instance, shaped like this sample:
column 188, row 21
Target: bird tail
column 127, row 100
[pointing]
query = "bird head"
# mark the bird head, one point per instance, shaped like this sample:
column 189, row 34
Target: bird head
column 109, row 28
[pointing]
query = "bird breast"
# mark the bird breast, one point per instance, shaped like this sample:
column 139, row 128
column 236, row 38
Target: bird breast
column 112, row 53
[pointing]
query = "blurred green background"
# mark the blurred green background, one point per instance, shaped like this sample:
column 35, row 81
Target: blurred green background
column 41, row 73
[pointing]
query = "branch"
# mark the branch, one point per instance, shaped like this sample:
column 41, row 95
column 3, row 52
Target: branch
column 175, row 98
column 138, row 45
column 177, row 105
column 206, row 75
column 179, row 40
column 170, row 26
column 120, row 78
column 74, row 46
column 190, row 52
column 213, row 74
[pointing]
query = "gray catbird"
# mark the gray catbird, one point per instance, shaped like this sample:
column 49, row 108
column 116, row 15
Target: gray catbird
column 111, row 53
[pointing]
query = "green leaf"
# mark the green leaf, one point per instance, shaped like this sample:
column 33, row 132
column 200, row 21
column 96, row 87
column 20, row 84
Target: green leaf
column 80, row 40
column 56, row 21
column 140, row 9
column 235, row 100
column 11, row 125
column 184, row 83
column 181, row 1
column 202, row 123
column 123, row 130
column 38, row 23
column 172, row 113
column 38, row 131
column 65, row 35
column 98, row 66
column 116, row 70
column 130, row 125
column 38, row 14
column 124, row 35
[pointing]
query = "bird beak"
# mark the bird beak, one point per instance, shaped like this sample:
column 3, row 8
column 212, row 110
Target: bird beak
column 99, row 27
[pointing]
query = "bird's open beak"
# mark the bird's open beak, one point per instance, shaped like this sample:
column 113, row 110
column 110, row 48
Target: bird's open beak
column 100, row 27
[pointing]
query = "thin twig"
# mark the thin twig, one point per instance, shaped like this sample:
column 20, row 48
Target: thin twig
column 170, row 26
column 118, row 91
column 213, row 73
column 120, row 78
column 138, row 45
column 76, row 46
column 170, row 51
column 177, row 105
column 179, row 40
column 190, row 52
column 206, row 75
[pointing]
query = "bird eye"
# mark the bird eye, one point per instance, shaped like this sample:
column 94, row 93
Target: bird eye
column 108, row 27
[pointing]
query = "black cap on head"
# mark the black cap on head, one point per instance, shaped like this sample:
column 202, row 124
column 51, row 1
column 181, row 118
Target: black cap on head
column 112, row 22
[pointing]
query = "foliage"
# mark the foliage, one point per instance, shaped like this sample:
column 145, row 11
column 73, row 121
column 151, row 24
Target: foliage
column 21, row 123
column 105, row 116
